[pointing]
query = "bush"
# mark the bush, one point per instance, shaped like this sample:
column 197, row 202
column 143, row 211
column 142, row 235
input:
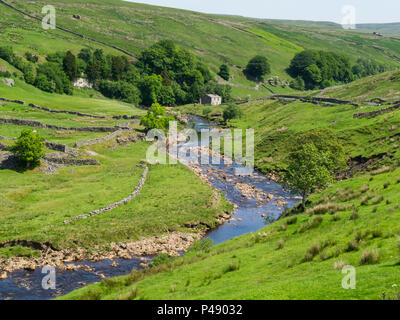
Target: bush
column 232, row 112
column 29, row 148
column 162, row 258
column 156, row 118
column 201, row 246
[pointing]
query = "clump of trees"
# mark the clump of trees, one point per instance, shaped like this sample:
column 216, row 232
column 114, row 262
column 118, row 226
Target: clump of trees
column 314, row 69
column 314, row 159
column 258, row 67
column 368, row 67
column 163, row 73
column 320, row 69
column 29, row 148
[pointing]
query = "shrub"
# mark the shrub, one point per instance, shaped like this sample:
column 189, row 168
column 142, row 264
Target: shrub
column 232, row 112
column 336, row 217
column 29, row 148
column 369, row 257
column 281, row 244
column 283, row 227
column 156, row 118
column 162, row 258
column 203, row 245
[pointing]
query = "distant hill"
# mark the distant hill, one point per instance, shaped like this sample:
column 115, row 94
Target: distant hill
column 216, row 39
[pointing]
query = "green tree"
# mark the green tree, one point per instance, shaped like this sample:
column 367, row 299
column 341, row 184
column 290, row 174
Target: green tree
column 117, row 67
column 156, row 118
column 308, row 171
column 150, row 88
column 232, row 112
column 29, row 148
column 258, row 67
column 314, row 159
column 224, row 72
column 70, row 66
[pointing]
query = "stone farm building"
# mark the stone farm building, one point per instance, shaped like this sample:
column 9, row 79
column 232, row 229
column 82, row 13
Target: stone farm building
column 211, row 100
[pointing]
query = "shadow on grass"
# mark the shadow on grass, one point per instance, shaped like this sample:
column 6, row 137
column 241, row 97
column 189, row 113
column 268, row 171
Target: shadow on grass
column 9, row 161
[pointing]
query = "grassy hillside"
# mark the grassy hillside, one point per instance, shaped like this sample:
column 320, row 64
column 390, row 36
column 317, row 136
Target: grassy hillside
column 385, row 86
column 295, row 258
column 277, row 123
column 215, row 39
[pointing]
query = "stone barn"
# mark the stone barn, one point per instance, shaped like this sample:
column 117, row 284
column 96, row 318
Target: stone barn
column 211, row 100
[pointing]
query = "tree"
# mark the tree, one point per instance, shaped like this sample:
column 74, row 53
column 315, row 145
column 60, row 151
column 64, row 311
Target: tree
column 232, row 112
column 6, row 53
column 156, row 118
column 224, row 72
column 117, row 67
column 29, row 148
column 258, row 67
column 70, row 66
column 308, row 171
column 314, row 158
column 150, row 88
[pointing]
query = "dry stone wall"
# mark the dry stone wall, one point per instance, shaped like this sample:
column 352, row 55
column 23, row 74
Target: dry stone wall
column 117, row 204
column 37, row 124
column 375, row 113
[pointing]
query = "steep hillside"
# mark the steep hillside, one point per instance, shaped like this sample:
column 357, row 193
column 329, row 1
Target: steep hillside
column 215, row 39
column 295, row 258
column 384, row 86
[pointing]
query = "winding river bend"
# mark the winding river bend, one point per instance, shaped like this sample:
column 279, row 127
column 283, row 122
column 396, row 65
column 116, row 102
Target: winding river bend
column 258, row 201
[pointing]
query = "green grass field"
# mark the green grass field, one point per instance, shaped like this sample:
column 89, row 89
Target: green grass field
column 31, row 201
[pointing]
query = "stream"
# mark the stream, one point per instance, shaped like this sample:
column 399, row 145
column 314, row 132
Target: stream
column 250, row 215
